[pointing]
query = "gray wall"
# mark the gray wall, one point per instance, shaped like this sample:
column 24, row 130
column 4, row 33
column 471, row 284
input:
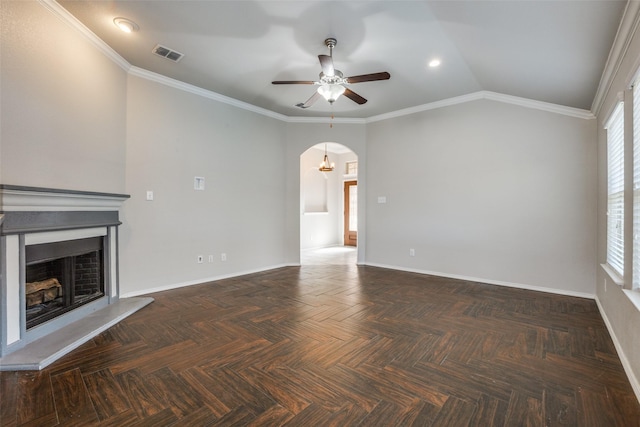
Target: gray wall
column 63, row 105
column 487, row 191
column 172, row 137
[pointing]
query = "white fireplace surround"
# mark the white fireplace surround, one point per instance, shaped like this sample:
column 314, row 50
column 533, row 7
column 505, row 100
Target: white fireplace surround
column 33, row 199
column 30, row 216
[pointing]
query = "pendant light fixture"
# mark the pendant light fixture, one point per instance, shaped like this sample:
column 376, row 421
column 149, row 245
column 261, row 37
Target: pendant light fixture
column 325, row 166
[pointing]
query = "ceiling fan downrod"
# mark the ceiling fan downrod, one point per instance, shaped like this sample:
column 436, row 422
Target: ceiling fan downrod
column 330, row 43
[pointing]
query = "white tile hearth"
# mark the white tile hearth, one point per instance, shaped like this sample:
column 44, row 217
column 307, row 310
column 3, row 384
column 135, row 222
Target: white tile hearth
column 46, row 350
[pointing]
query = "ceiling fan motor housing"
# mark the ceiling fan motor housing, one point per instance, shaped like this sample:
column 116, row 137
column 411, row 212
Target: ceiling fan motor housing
column 336, row 79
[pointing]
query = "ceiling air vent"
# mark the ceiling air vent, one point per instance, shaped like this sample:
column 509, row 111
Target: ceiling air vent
column 165, row 52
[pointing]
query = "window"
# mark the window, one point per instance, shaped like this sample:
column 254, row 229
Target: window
column 615, row 190
column 351, row 168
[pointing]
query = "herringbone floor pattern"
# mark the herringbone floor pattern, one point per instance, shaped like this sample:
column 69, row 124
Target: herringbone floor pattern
column 337, row 346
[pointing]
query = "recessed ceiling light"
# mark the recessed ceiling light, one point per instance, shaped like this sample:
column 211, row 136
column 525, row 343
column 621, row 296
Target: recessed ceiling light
column 434, row 63
column 126, row 25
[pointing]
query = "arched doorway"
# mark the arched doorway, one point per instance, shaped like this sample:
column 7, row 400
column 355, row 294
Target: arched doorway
column 323, row 203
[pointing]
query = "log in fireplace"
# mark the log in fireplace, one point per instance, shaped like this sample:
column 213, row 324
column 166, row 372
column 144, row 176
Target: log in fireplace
column 58, row 268
column 62, row 276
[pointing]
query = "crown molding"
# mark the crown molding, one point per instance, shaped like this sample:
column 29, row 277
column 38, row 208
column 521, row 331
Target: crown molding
column 196, row 90
column 325, row 120
column 97, row 42
column 62, row 13
column 72, row 21
column 425, row 107
column 539, row 105
column 626, row 31
column 493, row 96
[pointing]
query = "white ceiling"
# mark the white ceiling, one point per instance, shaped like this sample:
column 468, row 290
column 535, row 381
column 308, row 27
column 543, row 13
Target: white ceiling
column 551, row 51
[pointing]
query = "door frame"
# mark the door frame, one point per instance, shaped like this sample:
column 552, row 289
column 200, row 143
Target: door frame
column 350, row 238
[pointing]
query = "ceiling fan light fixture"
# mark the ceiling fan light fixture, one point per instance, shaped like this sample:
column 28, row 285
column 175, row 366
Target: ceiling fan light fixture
column 331, row 92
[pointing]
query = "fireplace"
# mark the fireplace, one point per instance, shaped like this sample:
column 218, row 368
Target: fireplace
column 62, row 276
column 58, row 272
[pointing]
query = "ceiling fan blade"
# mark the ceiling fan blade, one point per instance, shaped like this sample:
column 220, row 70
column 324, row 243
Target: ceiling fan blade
column 354, row 96
column 326, row 62
column 369, row 77
column 293, row 82
column 309, row 102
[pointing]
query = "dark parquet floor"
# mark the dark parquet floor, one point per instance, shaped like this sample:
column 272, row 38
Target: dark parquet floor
column 337, row 345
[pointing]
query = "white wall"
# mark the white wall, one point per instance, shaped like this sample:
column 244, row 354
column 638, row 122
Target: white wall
column 319, row 202
column 172, row 137
column 488, row 191
column 300, row 137
column 63, row 105
column 322, row 229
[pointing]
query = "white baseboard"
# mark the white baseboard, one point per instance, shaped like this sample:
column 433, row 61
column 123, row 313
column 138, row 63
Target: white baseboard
column 488, row 281
column 635, row 384
column 199, row 281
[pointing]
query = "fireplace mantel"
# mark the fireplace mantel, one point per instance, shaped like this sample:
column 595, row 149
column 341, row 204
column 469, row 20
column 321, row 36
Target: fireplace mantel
column 33, row 199
column 36, row 209
column 36, row 215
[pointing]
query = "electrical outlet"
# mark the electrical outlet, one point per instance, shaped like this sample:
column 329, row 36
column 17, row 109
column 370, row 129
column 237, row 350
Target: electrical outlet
column 200, row 259
column 412, row 252
column 210, row 258
column 223, row 257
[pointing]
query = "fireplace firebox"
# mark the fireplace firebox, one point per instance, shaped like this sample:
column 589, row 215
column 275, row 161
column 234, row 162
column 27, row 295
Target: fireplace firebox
column 58, row 272
column 62, row 276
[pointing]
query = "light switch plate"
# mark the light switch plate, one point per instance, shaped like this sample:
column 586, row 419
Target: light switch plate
column 198, row 183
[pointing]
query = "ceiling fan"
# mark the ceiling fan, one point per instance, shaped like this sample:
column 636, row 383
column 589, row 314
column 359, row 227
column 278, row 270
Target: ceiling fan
column 332, row 84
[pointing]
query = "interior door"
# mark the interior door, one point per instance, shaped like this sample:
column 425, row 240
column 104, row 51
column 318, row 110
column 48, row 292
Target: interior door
column 351, row 213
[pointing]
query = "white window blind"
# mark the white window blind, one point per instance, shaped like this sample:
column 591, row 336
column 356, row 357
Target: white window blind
column 615, row 190
column 636, row 185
